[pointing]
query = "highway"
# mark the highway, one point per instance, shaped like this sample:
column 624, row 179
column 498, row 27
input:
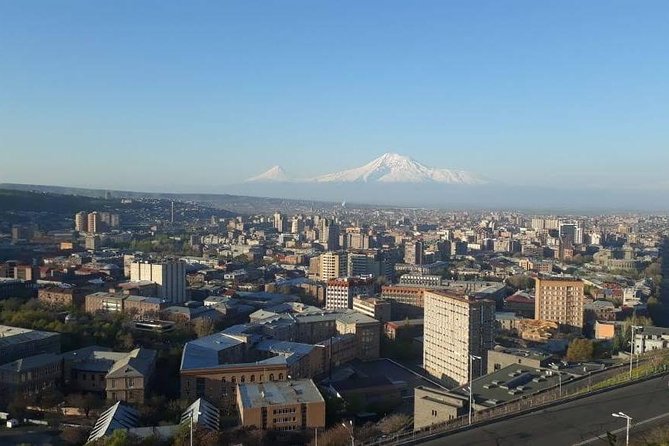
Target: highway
column 578, row 423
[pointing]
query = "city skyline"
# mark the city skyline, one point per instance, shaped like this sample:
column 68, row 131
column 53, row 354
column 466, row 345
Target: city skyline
column 569, row 94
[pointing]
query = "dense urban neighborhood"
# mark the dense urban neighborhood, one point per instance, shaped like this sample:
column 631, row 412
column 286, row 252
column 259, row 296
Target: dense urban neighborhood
column 157, row 321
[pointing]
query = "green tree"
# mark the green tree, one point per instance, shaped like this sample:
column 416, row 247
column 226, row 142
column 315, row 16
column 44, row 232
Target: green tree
column 580, row 350
column 203, row 326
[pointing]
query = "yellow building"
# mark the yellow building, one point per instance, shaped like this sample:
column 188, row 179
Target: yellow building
column 287, row 406
column 560, row 300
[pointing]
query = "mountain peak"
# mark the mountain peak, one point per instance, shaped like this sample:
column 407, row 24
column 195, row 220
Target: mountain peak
column 274, row 173
column 390, row 167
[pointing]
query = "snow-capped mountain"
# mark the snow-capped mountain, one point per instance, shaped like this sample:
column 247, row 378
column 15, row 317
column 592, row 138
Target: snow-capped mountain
column 395, row 168
column 274, row 174
column 388, row 168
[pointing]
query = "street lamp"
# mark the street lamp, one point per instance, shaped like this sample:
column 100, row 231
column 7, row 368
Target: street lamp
column 633, row 329
column 471, row 388
column 628, row 420
column 555, row 366
column 192, row 414
column 350, row 431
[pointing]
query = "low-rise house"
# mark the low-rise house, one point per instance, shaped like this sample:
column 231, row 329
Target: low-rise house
column 62, row 297
column 404, row 330
column 501, row 357
column 651, row 338
column 433, row 406
column 30, row 375
column 608, row 329
column 119, row 376
column 520, row 303
column 17, row 343
column 140, row 306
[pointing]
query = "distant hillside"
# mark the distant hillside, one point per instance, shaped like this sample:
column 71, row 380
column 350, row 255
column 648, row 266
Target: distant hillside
column 55, row 211
column 26, row 201
column 238, row 204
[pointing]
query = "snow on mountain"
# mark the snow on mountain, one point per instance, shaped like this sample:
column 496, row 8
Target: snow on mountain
column 274, row 174
column 395, row 168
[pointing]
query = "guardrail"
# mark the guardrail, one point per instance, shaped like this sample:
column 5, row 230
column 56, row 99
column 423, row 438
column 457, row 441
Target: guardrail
column 651, row 365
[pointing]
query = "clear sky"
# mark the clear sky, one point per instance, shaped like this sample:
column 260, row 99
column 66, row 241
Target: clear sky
column 193, row 95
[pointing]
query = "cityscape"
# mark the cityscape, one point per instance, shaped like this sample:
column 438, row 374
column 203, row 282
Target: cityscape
column 137, row 319
column 354, row 223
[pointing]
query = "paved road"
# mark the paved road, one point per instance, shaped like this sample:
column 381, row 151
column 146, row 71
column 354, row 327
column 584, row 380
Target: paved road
column 576, row 423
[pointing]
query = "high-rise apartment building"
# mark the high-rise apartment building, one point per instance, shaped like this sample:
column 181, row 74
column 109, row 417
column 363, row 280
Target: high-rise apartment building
column 81, row 221
column 369, row 263
column 340, row 292
column 568, row 233
column 413, row 252
column 94, row 223
column 170, row 276
column 279, row 222
column 560, row 300
column 297, row 225
column 332, row 265
column 456, row 326
column 329, row 234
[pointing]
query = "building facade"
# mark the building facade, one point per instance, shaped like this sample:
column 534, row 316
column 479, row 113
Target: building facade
column 560, row 300
column 169, row 276
column 294, row 405
column 340, row 292
column 456, row 326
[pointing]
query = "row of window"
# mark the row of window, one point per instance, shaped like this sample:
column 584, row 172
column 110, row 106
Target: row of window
column 284, row 420
column 252, row 378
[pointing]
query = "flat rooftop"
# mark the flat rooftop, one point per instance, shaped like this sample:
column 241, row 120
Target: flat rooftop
column 15, row 335
column 523, row 352
column 279, row 393
column 511, row 383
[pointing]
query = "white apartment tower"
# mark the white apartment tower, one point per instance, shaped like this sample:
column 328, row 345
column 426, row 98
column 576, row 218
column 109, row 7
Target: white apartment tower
column 170, row 276
column 280, row 222
column 456, row 326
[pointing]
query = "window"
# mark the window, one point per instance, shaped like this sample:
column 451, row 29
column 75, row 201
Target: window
column 280, row 376
column 253, row 378
column 271, row 376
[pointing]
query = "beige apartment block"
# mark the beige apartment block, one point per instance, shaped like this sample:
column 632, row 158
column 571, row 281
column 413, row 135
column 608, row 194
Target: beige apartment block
column 456, row 326
column 560, row 300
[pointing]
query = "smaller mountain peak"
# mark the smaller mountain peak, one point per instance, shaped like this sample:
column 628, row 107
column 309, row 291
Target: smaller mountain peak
column 274, row 173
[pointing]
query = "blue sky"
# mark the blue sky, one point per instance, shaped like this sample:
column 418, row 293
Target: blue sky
column 193, row 95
